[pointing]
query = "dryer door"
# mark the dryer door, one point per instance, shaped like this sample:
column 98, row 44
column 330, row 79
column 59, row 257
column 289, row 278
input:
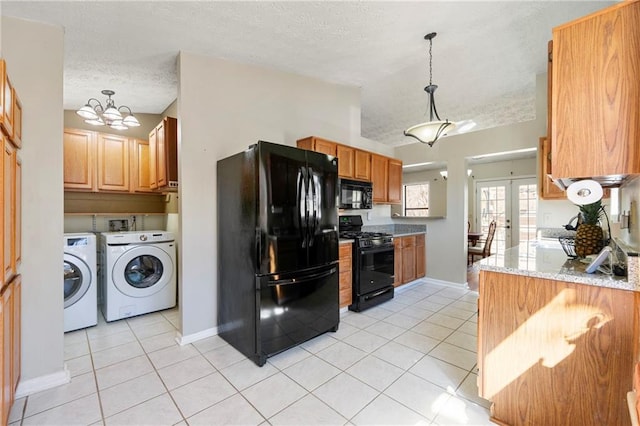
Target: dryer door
column 142, row 271
column 77, row 279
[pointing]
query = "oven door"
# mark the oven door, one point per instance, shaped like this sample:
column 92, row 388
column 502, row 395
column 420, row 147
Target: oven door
column 375, row 269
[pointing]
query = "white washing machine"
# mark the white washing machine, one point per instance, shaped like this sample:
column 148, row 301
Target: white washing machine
column 138, row 273
column 80, row 281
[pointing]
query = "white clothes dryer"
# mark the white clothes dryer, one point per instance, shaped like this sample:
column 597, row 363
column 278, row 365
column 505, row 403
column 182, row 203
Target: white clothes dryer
column 138, row 273
column 80, row 281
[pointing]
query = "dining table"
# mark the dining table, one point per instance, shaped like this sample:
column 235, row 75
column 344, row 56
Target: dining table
column 474, row 237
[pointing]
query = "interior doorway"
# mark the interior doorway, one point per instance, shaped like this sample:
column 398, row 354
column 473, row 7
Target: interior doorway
column 513, row 204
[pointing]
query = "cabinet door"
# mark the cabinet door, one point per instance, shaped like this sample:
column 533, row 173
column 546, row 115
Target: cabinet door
column 16, row 136
column 346, row 273
column 153, row 159
column 161, row 156
column 397, row 261
column 17, row 210
column 113, row 163
column 7, row 353
column 595, row 110
column 394, row 191
column 7, row 120
column 362, row 165
column 324, row 146
column 140, row 181
column 8, row 191
column 408, row 259
column 548, row 190
column 79, row 159
column 421, row 256
column 345, row 161
column 16, row 332
column 379, row 178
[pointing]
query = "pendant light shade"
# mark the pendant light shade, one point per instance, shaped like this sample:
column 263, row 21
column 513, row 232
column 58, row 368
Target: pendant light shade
column 430, row 131
column 95, row 114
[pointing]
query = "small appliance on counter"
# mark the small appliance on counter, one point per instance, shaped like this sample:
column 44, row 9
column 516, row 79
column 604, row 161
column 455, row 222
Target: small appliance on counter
column 277, row 248
column 373, row 263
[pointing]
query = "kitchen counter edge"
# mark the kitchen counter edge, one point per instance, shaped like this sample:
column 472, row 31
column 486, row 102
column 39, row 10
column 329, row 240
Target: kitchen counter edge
column 552, row 264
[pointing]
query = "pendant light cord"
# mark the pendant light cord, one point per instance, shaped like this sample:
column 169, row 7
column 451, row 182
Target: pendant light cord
column 430, row 61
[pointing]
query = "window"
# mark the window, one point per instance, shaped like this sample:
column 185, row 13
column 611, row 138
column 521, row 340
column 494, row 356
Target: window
column 416, row 199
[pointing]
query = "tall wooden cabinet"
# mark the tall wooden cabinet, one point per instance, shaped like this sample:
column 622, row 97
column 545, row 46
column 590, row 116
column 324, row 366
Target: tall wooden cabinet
column 11, row 242
column 163, row 154
column 595, row 113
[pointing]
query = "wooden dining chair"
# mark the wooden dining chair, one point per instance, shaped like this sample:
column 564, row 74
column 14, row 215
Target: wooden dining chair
column 485, row 249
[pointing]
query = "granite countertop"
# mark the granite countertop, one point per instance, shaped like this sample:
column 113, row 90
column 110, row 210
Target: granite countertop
column 549, row 261
column 345, row 241
column 403, row 234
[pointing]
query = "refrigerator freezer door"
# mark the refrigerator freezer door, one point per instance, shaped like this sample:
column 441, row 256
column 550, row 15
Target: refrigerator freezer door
column 295, row 308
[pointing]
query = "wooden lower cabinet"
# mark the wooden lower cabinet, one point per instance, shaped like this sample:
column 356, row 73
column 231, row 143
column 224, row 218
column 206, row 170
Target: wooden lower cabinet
column 409, row 258
column 10, row 310
column 555, row 353
column 345, row 270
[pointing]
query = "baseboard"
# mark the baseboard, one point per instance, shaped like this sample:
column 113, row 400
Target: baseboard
column 463, row 286
column 39, row 384
column 190, row 338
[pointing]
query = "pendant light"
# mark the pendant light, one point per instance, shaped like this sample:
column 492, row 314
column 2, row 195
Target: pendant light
column 432, row 130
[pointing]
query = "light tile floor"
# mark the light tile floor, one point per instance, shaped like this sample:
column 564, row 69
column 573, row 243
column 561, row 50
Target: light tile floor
column 410, row 361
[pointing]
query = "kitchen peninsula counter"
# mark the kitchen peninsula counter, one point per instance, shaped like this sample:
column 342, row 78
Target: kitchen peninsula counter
column 549, row 261
column 555, row 345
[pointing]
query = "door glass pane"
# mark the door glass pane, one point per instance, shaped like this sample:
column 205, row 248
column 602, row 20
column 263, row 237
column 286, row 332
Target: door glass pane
column 527, row 208
column 493, row 206
column 143, row 271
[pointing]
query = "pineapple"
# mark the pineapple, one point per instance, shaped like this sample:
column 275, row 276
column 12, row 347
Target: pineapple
column 589, row 237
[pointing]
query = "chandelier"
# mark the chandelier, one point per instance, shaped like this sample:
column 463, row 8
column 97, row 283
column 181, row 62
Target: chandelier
column 96, row 114
column 432, row 130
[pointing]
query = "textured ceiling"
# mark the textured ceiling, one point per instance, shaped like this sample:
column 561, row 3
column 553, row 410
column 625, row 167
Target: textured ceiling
column 485, row 57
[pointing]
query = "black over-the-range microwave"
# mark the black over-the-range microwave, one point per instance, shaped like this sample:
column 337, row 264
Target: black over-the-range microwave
column 355, row 194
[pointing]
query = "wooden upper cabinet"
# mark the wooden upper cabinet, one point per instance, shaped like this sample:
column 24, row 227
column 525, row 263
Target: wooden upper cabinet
column 7, row 101
column 140, row 177
column 595, row 117
column 9, row 210
column 163, row 154
column 549, row 86
column 16, row 136
column 346, row 160
column 394, row 193
column 313, row 143
column 379, row 178
column 113, row 163
column 362, row 168
column 153, row 159
column 79, row 159
column 547, row 189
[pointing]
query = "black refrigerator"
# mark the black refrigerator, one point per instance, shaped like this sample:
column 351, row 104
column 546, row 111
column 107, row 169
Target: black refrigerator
column 277, row 248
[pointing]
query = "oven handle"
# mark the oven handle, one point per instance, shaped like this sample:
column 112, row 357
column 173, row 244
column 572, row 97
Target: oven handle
column 303, row 279
column 378, row 293
column 375, row 250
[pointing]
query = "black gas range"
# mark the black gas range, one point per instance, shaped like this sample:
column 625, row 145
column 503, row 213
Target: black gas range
column 373, row 263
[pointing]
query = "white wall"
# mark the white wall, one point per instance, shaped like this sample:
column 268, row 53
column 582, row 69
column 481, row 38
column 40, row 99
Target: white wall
column 223, row 107
column 34, row 55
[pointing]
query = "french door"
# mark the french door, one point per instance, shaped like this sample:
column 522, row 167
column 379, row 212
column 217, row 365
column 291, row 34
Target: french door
column 513, row 204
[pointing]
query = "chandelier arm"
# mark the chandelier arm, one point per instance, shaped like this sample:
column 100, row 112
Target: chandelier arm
column 124, row 106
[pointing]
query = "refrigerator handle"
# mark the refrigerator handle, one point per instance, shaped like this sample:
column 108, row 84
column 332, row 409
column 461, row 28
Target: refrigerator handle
column 304, row 279
column 313, row 185
column 302, row 206
column 258, row 243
